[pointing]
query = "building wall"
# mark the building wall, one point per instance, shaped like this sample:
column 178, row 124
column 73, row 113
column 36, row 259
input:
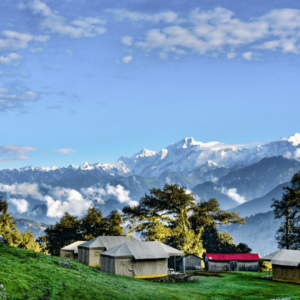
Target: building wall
column 190, row 261
column 223, row 266
column 127, row 266
column 286, row 273
column 90, row 257
column 67, row 254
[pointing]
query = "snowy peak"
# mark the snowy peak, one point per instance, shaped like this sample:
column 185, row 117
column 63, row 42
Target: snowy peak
column 188, row 155
column 145, row 153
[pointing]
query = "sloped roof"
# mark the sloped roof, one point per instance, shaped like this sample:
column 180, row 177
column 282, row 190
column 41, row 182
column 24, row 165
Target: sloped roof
column 107, row 242
column 73, row 246
column 171, row 251
column 141, row 250
column 269, row 256
column 232, row 256
column 287, row 258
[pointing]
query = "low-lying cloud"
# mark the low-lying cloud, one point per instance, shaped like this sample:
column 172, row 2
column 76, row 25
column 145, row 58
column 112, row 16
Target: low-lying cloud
column 60, row 200
column 232, row 193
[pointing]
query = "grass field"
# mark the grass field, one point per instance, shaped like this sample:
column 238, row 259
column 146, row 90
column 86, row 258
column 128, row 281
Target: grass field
column 26, row 276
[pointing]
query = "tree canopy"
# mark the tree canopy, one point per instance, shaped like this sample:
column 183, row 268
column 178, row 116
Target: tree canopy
column 171, row 215
column 288, row 208
column 11, row 235
column 71, row 229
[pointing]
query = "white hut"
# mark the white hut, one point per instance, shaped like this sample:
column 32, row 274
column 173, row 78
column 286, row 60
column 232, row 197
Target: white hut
column 139, row 260
column 71, row 251
column 89, row 252
column 286, row 266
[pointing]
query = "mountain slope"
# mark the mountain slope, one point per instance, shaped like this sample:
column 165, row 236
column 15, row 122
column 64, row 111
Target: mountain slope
column 258, row 232
column 262, row 204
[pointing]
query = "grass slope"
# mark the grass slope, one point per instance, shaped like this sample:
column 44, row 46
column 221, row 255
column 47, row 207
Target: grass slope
column 26, row 276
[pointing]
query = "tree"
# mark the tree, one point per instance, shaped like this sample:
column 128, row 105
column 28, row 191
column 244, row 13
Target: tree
column 8, row 230
column 63, row 233
column 171, row 216
column 113, row 224
column 42, row 241
column 208, row 216
column 288, row 207
column 29, row 243
column 92, row 224
column 163, row 216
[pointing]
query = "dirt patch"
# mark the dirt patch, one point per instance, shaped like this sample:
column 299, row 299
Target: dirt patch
column 205, row 273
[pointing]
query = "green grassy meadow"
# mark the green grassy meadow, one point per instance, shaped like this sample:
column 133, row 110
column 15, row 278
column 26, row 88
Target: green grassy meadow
column 26, row 276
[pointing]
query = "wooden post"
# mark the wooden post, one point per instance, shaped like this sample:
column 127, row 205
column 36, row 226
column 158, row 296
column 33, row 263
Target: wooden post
column 174, row 264
column 183, row 264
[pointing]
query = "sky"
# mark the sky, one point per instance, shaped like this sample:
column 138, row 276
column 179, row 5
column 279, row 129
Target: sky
column 91, row 80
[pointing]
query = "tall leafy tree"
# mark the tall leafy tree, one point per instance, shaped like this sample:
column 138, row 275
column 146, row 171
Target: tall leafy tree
column 29, row 243
column 8, row 230
column 163, row 216
column 288, row 208
column 208, row 216
column 171, row 215
column 113, row 224
column 63, row 233
column 92, row 224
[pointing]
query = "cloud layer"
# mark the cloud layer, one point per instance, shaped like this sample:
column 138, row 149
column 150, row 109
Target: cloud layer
column 219, row 31
column 60, row 200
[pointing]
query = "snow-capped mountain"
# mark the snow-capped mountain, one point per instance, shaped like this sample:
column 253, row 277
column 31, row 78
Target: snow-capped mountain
column 188, row 155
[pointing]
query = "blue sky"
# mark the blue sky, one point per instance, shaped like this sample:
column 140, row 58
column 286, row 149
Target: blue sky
column 91, row 80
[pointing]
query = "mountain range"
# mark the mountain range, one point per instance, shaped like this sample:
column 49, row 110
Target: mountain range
column 243, row 178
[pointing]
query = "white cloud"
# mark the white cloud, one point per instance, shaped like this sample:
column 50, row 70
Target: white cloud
column 24, row 189
column 82, row 27
column 65, row 151
column 219, row 31
column 248, row 55
column 232, row 193
column 60, row 200
column 121, row 15
column 9, row 101
column 121, row 194
column 64, row 200
column 12, row 57
column 231, row 55
column 15, row 40
column 127, row 59
column 21, row 205
column 127, row 40
column 11, row 153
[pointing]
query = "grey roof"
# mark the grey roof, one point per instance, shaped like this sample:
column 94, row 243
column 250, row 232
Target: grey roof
column 107, row 242
column 269, row 256
column 171, row 251
column 287, row 258
column 141, row 250
column 73, row 246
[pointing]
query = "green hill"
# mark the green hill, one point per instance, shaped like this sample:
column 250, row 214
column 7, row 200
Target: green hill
column 27, row 276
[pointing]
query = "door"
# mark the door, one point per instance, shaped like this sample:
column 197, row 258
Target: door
column 233, row 265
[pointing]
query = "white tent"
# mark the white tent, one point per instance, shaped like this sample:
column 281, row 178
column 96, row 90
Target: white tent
column 285, row 265
column 89, row 252
column 139, row 260
column 71, row 251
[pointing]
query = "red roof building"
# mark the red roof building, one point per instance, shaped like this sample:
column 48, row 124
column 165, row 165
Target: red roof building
column 233, row 256
column 222, row 262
